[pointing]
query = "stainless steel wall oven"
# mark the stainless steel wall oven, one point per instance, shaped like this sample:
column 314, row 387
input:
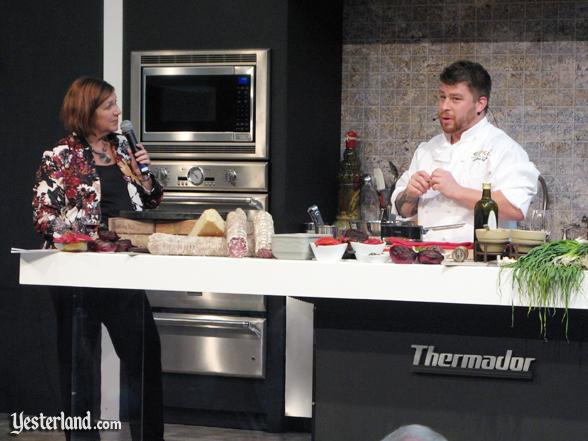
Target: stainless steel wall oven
column 210, row 333
column 203, row 116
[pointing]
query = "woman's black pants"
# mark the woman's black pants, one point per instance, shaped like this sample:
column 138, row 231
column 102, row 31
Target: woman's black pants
column 128, row 318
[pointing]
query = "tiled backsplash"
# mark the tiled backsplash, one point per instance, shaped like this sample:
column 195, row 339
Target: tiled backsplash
column 535, row 51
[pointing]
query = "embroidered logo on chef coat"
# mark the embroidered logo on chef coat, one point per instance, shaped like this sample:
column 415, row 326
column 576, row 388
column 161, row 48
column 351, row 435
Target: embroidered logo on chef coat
column 480, row 155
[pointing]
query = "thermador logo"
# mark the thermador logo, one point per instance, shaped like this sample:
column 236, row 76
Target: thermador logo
column 426, row 360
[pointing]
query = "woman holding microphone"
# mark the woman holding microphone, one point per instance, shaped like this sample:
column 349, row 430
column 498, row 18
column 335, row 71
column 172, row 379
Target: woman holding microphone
column 90, row 175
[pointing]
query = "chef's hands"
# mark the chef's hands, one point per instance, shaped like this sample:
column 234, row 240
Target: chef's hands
column 440, row 180
column 418, row 185
column 444, row 182
column 421, row 182
column 407, row 201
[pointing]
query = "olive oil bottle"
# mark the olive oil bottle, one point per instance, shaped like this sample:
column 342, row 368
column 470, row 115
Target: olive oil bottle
column 485, row 216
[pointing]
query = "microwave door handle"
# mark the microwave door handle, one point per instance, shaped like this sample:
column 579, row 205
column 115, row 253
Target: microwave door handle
column 247, row 201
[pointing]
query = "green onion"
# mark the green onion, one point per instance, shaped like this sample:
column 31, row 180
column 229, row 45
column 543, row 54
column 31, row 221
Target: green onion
column 548, row 277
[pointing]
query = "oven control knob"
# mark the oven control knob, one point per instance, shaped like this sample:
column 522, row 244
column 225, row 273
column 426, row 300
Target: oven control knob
column 161, row 173
column 196, row 175
column 231, row 176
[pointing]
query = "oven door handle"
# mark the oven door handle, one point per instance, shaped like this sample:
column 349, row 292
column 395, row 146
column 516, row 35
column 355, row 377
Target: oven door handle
column 247, row 201
column 226, row 324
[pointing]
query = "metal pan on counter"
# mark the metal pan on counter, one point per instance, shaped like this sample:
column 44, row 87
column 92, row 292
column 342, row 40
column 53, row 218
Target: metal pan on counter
column 412, row 231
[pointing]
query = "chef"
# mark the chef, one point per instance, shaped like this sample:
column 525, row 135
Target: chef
column 445, row 177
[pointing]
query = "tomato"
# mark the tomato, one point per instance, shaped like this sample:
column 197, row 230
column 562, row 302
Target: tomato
column 327, row 241
column 72, row 236
column 373, row 241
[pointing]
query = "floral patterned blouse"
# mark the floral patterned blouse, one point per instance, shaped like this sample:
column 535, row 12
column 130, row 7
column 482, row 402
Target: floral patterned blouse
column 66, row 195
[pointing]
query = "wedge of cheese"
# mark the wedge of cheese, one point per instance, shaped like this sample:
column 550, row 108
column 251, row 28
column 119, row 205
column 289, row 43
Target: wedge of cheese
column 210, row 223
column 175, row 227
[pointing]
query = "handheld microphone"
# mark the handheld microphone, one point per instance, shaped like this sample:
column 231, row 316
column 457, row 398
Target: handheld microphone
column 435, row 118
column 127, row 130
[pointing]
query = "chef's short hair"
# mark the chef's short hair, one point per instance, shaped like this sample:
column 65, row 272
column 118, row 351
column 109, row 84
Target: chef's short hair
column 473, row 74
column 81, row 101
column 414, row 432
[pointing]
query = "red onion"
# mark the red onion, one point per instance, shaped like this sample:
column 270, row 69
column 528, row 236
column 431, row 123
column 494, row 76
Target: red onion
column 123, row 245
column 402, row 254
column 430, row 256
column 103, row 246
column 108, row 235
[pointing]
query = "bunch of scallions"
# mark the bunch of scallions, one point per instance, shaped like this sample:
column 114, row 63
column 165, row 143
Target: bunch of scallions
column 549, row 276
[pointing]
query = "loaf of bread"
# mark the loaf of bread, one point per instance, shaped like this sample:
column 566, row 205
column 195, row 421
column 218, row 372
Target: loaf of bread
column 138, row 240
column 131, row 226
column 172, row 244
column 210, row 223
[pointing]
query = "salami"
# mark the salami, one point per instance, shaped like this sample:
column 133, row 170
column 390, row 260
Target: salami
column 172, row 244
column 263, row 230
column 250, row 245
column 236, row 230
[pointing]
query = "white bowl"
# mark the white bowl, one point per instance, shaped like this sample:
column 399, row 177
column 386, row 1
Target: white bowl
column 526, row 248
column 522, row 236
column 365, row 249
column 494, row 235
column 328, row 253
column 492, row 247
column 497, row 241
column 294, row 246
column 373, row 258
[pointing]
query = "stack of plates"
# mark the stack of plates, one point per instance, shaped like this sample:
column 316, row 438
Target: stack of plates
column 294, row 246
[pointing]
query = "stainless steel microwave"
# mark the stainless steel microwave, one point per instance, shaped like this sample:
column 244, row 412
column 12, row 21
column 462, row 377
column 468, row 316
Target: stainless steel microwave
column 201, row 104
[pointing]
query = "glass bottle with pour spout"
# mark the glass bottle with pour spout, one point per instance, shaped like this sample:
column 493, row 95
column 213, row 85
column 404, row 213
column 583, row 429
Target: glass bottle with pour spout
column 349, row 180
column 370, row 201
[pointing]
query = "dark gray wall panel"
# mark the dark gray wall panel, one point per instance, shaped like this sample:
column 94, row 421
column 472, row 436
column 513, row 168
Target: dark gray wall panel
column 44, row 46
column 305, row 42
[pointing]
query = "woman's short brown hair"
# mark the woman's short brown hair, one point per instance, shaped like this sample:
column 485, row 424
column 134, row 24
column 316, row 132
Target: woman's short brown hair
column 81, row 101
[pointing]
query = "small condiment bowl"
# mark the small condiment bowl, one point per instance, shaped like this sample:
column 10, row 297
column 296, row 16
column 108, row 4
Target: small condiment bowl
column 373, row 258
column 366, row 249
column 328, row 253
column 327, row 229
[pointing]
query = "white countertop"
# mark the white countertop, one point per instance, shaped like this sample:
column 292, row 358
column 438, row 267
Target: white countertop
column 348, row 279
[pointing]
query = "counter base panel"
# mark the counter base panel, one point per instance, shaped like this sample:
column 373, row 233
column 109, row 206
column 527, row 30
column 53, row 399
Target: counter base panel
column 365, row 384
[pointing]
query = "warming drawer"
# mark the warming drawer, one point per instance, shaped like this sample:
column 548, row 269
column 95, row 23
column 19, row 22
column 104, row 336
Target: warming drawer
column 206, row 301
column 212, row 344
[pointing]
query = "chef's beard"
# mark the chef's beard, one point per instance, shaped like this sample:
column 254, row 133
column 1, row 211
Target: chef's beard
column 456, row 126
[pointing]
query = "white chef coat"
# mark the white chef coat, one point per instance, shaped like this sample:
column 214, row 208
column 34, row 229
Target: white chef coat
column 484, row 153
